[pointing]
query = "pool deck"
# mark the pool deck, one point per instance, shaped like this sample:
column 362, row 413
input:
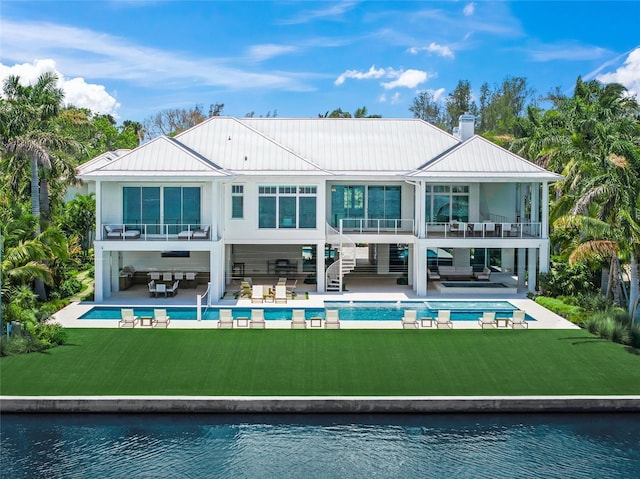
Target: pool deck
column 68, row 317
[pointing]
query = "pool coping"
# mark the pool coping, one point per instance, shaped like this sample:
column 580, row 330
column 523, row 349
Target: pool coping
column 319, row 404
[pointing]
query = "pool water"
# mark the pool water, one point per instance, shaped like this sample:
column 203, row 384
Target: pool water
column 320, row 446
column 347, row 311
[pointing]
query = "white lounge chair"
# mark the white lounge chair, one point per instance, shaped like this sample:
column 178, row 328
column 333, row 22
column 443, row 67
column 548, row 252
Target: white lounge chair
column 152, row 288
column 185, row 234
column 298, row 320
column 484, row 275
column 332, row 320
column 488, row 318
column 160, row 318
column 257, row 319
column 113, row 232
column 409, row 320
column 201, row 233
column 443, row 320
column 432, row 276
column 226, row 319
column 518, row 319
column 129, row 320
column 281, row 293
column 257, row 293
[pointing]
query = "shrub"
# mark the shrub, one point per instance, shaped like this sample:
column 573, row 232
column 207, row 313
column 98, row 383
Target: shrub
column 50, row 334
column 575, row 314
column 564, row 278
column 634, row 336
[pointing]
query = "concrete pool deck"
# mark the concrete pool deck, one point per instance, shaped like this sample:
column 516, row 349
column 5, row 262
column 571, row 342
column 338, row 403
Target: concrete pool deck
column 544, row 319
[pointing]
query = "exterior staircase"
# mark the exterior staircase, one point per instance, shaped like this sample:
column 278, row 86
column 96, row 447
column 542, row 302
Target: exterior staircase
column 345, row 261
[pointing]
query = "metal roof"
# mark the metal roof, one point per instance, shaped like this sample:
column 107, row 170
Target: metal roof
column 479, row 158
column 162, row 156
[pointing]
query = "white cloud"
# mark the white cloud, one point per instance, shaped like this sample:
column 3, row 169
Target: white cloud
column 407, row 79
column 565, row 52
column 469, row 9
column 77, row 91
column 358, row 75
column 92, row 54
column 441, row 50
column 627, row 75
column 394, row 99
column 269, row 50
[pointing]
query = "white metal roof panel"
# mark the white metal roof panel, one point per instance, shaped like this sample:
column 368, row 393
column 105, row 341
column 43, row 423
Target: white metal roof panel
column 478, row 157
column 162, row 156
column 357, row 144
column 238, row 147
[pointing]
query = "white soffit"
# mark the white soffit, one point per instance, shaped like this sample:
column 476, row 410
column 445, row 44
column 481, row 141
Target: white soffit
column 479, row 158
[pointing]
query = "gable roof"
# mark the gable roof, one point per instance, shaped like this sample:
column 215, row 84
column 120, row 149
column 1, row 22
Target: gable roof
column 160, row 157
column 479, row 158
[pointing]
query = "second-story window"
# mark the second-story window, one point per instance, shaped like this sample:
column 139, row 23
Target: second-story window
column 446, row 203
column 287, row 206
column 237, row 201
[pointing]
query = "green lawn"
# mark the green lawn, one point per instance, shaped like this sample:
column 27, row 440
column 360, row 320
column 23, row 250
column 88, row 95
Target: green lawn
column 344, row 362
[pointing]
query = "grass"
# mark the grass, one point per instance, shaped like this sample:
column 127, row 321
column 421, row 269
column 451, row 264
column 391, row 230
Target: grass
column 344, row 362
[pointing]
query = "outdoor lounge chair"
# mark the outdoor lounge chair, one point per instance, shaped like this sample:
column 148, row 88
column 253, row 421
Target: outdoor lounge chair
column 173, row 290
column 161, row 320
column 128, row 319
column 281, row 293
column 488, row 318
column 226, row 319
column 152, row 288
column 443, row 320
column 298, row 319
column 257, row 319
column 409, row 319
column 245, row 290
column 518, row 319
column 131, row 234
column 257, row 293
column 484, row 275
column 201, row 233
column 112, row 232
column 185, row 234
column 332, row 321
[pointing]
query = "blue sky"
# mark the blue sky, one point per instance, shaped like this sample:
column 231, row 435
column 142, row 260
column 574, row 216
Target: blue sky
column 299, row 59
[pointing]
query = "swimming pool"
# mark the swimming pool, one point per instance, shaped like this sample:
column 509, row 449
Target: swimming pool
column 347, row 311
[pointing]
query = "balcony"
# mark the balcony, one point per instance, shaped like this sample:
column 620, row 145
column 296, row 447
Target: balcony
column 155, row 232
column 376, row 226
column 486, row 229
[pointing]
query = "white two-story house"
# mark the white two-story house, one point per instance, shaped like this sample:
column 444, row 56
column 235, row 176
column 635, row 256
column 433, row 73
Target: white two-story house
column 232, row 197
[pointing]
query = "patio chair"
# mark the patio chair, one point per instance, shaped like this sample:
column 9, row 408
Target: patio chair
column 152, row 288
column 161, row 288
column 257, row 293
column 281, row 293
column 490, row 229
column 178, row 276
column 161, row 320
column 131, row 234
column 257, row 319
column 518, row 319
column 477, row 229
column 154, row 275
column 166, row 277
column 298, row 320
column 173, row 290
column 443, row 320
column 129, row 320
column 484, row 275
column 455, row 227
column 226, row 319
column 245, row 290
column 191, row 279
column 332, row 320
column 488, row 318
column 291, row 286
column 409, row 320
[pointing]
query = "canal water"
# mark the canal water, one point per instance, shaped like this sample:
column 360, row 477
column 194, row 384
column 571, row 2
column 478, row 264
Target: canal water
column 320, row 446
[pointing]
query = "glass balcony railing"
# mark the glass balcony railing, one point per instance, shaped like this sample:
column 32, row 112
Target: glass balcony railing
column 376, row 226
column 155, row 232
column 485, row 229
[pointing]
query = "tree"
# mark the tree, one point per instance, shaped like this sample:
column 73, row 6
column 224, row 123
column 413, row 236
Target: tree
column 339, row 113
column 460, row 102
column 426, row 107
column 500, row 107
column 176, row 120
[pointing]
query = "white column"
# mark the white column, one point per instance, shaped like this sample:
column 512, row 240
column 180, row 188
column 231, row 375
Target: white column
column 544, row 201
column 215, row 275
column 508, row 258
column 98, row 274
column 532, row 275
column 522, row 254
column 420, row 213
column 543, row 261
column 99, row 229
column 411, row 251
column 320, row 276
column 420, row 271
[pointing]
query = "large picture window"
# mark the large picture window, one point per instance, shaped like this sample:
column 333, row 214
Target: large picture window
column 445, row 203
column 383, row 202
column 287, row 207
column 180, row 207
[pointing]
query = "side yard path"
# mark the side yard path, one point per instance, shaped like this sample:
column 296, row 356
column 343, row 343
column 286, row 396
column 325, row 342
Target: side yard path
column 325, row 363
